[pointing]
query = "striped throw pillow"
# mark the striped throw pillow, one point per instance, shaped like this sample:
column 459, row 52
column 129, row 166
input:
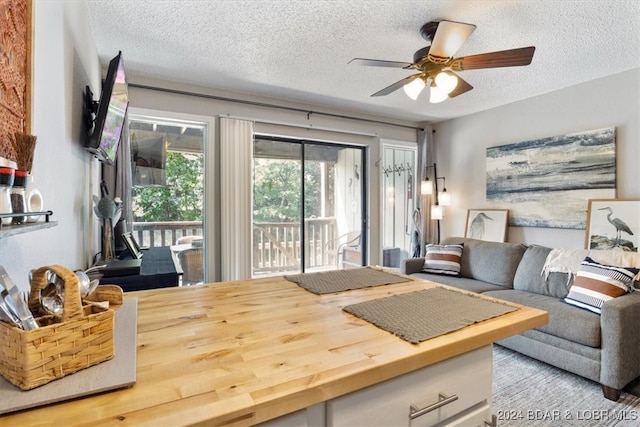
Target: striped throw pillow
column 443, row 259
column 597, row 283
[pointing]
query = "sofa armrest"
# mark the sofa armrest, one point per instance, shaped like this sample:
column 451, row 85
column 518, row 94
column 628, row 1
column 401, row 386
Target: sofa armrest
column 619, row 321
column 411, row 265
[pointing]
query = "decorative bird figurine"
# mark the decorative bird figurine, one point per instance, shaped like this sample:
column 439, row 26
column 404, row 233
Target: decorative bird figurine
column 619, row 224
column 476, row 231
column 108, row 210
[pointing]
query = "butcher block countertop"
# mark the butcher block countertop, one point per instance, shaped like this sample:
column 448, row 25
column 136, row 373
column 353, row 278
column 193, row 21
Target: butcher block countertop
column 243, row 352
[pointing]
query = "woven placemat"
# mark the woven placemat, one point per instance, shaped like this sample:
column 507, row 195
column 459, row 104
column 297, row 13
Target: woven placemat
column 420, row 315
column 326, row 282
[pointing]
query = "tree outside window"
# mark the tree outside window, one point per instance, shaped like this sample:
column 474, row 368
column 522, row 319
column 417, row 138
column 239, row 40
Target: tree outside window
column 181, row 199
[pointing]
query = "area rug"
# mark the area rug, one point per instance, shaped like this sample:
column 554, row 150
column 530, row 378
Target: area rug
column 325, row 282
column 420, row 315
column 527, row 392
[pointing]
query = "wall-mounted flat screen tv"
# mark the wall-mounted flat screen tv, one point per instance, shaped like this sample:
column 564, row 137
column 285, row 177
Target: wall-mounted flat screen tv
column 105, row 119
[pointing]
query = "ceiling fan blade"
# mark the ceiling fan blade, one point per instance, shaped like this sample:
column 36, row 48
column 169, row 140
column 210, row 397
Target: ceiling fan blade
column 449, row 38
column 461, row 87
column 503, row 58
column 397, row 85
column 381, row 63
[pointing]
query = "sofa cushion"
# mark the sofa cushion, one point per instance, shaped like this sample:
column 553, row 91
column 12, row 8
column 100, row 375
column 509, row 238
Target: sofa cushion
column 492, row 262
column 565, row 321
column 471, row 285
column 443, row 259
column 530, row 277
column 596, row 283
column 411, row 265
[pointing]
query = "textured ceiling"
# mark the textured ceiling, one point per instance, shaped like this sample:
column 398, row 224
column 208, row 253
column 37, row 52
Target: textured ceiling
column 299, row 50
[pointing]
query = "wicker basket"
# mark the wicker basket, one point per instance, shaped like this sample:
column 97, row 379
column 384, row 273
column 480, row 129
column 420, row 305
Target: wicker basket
column 82, row 336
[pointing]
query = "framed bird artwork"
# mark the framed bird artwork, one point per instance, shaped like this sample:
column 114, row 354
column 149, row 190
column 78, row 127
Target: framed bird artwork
column 613, row 224
column 487, row 224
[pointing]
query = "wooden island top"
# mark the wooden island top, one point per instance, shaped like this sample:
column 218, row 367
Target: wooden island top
column 243, row 352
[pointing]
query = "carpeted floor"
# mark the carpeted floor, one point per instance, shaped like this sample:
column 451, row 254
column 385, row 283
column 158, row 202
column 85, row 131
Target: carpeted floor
column 527, row 392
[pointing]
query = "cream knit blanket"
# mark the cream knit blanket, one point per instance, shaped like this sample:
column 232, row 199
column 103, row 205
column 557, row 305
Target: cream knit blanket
column 568, row 260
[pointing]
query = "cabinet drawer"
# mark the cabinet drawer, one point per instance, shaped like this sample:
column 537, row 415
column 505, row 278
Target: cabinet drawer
column 468, row 377
column 313, row 416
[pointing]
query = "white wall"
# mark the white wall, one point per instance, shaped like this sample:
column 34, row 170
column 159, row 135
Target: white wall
column 64, row 58
column 461, row 145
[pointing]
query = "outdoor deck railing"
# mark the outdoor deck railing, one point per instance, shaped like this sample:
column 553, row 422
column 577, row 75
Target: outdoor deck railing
column 164, row 233
column 276, row 245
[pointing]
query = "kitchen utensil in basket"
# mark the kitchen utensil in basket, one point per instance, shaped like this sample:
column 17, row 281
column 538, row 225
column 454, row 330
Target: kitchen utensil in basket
column 81, row 336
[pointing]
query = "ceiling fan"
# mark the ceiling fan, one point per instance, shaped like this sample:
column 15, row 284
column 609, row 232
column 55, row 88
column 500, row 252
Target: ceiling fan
column 436, row 64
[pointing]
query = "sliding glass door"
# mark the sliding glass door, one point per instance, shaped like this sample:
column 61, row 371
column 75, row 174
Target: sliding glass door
column 309, row 206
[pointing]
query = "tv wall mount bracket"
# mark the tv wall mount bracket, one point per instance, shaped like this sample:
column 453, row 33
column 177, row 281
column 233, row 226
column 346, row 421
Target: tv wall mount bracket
column 90, row 110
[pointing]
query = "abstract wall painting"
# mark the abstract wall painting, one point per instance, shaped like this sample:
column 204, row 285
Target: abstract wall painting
column 548, row 182
column 613, row 224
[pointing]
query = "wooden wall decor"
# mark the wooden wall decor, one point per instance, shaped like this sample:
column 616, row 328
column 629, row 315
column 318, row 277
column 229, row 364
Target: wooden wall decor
column 15, row 71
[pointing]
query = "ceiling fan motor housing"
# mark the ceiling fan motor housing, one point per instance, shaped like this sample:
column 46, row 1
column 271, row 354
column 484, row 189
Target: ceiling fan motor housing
column 421, row 54
column 428, row 30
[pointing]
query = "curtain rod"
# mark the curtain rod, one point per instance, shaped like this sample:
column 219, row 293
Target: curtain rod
column 262, row 104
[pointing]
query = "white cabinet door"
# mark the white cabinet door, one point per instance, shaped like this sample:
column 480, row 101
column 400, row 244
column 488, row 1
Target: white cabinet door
column 465, row 380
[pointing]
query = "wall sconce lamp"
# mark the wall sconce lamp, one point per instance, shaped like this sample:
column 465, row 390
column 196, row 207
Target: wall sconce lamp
column 442, row 198
column 426, row 189
column 437, row 212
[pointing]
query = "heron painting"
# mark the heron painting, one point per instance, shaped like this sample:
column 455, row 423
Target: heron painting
column 476, row 229
column 613, row 224
column 487, row 224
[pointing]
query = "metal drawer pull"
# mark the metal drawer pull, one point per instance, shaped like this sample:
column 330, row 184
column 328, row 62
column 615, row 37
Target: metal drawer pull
column 443, row 399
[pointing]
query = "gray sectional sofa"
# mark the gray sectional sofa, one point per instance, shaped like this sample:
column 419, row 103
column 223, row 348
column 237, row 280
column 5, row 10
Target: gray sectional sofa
column 604, row 348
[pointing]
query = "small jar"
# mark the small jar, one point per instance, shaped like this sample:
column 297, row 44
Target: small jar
column 33, row 199
column 18, row 201
column 7, row 176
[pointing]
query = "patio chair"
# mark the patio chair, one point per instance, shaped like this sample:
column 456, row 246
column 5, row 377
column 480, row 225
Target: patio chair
column 349, row 239
column 187, row 239
column 191, row 263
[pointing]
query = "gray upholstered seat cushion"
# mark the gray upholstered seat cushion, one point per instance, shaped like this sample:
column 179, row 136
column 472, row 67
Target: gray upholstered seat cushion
column 464, row 283
column 490, row 262
column 565, row 321
column 529, row 275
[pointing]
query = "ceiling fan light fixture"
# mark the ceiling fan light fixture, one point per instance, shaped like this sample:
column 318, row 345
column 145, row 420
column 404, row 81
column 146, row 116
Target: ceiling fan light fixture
column 436, row 62
column 413, row 88
column 446, row 82
column 437, row 95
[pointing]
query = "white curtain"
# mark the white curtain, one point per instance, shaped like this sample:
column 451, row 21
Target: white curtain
column 427, row 228
column 236, row 177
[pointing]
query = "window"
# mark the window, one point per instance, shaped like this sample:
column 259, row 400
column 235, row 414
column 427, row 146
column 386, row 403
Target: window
column 168, row 188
